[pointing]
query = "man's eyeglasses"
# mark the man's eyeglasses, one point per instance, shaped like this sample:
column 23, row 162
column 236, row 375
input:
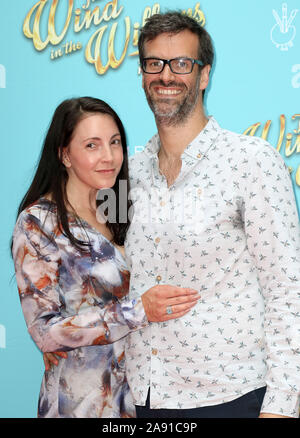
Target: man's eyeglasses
column 179, row 66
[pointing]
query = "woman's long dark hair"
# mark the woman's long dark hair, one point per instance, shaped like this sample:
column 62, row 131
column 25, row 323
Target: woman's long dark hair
column 51, row 175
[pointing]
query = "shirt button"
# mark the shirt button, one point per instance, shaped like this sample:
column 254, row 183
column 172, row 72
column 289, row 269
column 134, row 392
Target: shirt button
column 162, row 203
column 199, row 156
column 154, row 351
column 158, row 278
column 199, row 191
column 157, row 240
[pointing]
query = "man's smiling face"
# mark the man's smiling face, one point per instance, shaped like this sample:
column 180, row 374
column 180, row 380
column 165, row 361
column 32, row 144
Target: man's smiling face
column 173, row 97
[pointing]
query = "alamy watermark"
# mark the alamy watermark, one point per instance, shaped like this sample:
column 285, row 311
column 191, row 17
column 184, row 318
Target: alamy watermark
column 2, row 336
column 151, row 206
column 2, row 76
column 296, row 77
column 138, row 149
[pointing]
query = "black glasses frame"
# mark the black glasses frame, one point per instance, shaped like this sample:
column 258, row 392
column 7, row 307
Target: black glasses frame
column 168, row 61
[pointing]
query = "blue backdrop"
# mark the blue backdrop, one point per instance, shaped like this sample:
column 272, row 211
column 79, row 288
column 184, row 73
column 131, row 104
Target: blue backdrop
column 55, row 49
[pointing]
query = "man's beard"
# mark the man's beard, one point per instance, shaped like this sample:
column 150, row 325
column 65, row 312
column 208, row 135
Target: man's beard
column 178, row 112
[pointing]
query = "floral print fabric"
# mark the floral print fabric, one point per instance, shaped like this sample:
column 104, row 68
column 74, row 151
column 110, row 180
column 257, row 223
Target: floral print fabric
column 75, row 301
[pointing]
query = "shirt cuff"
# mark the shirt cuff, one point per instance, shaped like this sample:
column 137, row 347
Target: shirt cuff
column 281, row 403
column 134, row 314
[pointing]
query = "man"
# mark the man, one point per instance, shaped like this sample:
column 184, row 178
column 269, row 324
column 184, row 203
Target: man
column 214, row 211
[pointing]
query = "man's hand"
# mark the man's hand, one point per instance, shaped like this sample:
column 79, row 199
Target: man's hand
column 51, row 359
column 266, row 415
column 164, row 302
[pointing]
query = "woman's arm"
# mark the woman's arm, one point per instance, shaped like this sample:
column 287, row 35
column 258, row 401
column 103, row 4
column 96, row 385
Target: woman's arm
column 37, row 261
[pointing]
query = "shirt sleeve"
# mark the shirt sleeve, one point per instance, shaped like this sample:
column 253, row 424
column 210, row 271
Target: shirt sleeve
column 273, row 239
column 37, row 262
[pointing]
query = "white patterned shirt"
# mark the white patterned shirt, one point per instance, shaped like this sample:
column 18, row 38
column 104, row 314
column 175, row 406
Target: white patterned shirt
column 229, row 228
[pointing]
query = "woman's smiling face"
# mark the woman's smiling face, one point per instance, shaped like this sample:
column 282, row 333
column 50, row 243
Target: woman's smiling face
column 94, row 155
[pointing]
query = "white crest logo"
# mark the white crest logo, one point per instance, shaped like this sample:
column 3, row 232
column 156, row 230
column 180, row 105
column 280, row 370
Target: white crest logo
column 283, row 32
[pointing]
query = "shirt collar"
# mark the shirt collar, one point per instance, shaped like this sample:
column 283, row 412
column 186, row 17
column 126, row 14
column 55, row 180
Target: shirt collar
column 198, row 148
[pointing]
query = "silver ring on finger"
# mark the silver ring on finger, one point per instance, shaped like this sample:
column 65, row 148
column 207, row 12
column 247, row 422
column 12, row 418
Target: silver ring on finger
column 169, row 310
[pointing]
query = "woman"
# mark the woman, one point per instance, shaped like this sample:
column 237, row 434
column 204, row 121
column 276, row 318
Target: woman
column 71, row 274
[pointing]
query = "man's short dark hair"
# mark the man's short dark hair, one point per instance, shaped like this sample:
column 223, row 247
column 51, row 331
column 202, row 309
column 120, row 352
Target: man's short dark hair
column 174, row 22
